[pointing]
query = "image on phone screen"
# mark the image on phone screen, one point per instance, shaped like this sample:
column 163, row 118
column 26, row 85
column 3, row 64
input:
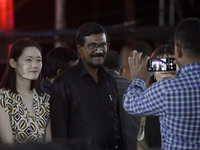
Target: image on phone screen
column 161, row 64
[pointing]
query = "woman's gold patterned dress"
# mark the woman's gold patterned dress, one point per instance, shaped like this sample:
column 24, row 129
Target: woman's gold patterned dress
column 26, row 127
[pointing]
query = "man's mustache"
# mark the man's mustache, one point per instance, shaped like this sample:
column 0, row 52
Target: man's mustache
column 98, row 55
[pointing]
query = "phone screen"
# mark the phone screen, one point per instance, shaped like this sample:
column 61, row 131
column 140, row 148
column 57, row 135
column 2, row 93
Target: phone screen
column 161, row 64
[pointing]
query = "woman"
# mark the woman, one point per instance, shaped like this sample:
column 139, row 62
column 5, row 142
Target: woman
column 151, row 124
column 24, row 108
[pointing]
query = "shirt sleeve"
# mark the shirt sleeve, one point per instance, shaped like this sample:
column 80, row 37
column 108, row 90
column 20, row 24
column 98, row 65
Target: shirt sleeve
column 59, row 110
column 140, row 101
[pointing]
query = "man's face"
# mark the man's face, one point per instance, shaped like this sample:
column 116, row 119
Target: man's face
column 94, row 50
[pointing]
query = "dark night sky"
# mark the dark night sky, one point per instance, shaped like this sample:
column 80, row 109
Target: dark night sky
column 38, row 15
column 33, row 15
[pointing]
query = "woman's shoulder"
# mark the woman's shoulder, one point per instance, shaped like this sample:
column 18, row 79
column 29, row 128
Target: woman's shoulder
column 7, row 97
column 4, row 92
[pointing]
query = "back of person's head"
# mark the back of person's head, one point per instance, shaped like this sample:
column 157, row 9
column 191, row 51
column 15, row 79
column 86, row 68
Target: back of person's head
column 59, row 58
column 142, row 46
column 127, row 51
column 163, row 50
column 112, row 61
column 88, row 29
column 9, row 77
column 187, row 36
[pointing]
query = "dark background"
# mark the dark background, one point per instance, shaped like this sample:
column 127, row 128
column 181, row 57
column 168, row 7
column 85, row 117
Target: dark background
column 38, row 15
column 124, row 20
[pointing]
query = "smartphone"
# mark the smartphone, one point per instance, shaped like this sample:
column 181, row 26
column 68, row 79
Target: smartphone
column 161, row 64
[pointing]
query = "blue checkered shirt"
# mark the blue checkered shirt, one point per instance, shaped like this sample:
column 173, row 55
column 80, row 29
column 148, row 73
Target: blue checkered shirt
column 176, row 101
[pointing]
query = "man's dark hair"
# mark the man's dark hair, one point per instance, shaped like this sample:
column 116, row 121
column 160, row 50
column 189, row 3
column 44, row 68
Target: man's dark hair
column 187, row 35
column 88, row 29
column 59, row 58
column 113, row 61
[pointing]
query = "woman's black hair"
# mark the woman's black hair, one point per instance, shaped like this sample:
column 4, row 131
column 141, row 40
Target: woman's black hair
column 9, row 76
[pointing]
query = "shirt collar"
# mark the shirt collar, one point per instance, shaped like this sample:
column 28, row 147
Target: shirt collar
column 189, row 67
column 84, row 72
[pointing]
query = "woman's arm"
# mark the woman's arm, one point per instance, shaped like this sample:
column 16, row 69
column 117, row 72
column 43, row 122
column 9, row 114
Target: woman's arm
column 139, row 146
column 5, row 128
column 48, row 137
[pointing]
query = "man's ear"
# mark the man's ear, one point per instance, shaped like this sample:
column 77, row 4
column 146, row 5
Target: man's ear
column 122, row 70
column 178, row 51
column 13, row 63
column 59, row 71
column 78, row 47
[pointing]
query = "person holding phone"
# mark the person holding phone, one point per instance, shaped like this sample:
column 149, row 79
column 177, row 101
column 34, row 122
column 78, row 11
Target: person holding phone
column 175, row 100
column 151, row 123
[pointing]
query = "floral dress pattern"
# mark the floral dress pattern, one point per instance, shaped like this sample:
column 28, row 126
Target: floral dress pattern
column 25, row 126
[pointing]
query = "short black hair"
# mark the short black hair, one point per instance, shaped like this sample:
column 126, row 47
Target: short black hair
column 88, row 29
column 113, row 60
column 58, row 58
column 187, row 35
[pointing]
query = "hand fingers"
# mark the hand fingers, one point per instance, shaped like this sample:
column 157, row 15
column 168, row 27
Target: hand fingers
column 147, row 59
column 134, row 56
column 131, row 62
column 138, row 64
column 137, row 56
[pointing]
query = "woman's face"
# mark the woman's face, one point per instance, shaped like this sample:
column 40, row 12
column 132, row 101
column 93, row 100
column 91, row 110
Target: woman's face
column 163, row 75
column 29, row 64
